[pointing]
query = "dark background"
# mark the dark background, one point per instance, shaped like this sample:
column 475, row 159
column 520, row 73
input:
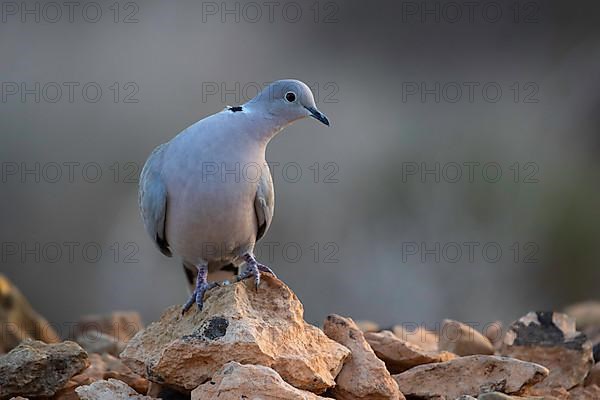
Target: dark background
column 387, row 77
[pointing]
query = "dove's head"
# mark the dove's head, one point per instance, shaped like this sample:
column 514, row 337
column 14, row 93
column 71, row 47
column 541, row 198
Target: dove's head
column 287, row 101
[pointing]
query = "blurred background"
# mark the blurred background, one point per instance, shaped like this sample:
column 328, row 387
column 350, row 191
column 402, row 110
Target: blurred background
column 459, row 179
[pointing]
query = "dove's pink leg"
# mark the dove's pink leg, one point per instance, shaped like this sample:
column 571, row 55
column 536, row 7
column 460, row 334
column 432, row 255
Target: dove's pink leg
column 202, row 286
column 253, row 268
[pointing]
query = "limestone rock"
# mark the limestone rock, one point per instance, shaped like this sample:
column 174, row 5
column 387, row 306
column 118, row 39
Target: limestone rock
column 585, row 393
column 19, row 321
column 111, row 389
column 463, row 340
column 165, row 392
column 400, row 355
column 586, row 314
column 121, row 325
column 368, row 326
column 35, row 368
column 550, row 339
column 469, row 375
column 493, row 332
column 587, row 320
column 549, row 393
column 237, row 323
column 502, row 396
column 117, row 370
column 236, row 381
column 364, row 376
column 100, row 342
column 593, row 377
column 418, row 335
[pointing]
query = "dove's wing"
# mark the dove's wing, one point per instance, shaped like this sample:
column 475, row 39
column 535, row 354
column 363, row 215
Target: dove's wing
column 153, row 199
column 264, row 203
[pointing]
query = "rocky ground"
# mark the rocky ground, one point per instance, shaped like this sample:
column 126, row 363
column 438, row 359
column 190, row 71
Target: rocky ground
column 248, row 344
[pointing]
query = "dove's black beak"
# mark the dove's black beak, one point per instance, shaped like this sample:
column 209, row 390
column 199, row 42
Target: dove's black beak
column 318, row 115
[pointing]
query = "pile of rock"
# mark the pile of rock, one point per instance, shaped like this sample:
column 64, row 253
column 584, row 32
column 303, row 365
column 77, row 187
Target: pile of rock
column 248, row 344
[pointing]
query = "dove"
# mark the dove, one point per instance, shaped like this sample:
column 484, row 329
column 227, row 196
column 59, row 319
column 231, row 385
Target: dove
column 207, row 194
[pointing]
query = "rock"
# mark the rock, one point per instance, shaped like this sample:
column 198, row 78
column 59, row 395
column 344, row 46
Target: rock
column 586, row 314
column 363, row 376
column 368, row 326
column 165, row 393
column 425, row 339
column 35, row 368
column 400, row 355
column 67, row 392
column 593, row 377
column 237, row 323
column 463, row 340
column 98, row 342
column 548, row 393
column 585, row 393
column 550, row 339
column 117, row 370
column 502, row 396
column 19, row 321
column 493, row 332
column 587, row 320
column 111, row 389
column 469, row 375
column 236, row 381
column 121, row 325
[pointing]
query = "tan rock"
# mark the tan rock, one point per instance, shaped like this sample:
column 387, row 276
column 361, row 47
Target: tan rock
column 469, row 375
column 122, row 325
column 550, row 339
column 94, row 372
column 591, row 392
column 463, row 340
column 117, row 370
column 19, row 321
column 493, row 332
column 165, row 392
column 102, row 367
column 549, row 393
column 502, row 396
column 111, row 389
column 96, row 369
column 238, row 323
column 587, row 320
column 364, row 376
column 418, row 335
column 236, row 381
column 368, row 326
column 35, row 368
column 99, row 342
column 593, row 377
column 586, row 314
column 400, row 355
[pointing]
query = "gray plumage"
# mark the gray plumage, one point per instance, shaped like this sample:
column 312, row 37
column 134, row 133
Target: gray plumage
column 207, row 194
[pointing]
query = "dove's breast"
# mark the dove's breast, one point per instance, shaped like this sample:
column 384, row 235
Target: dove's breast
column 211, row 186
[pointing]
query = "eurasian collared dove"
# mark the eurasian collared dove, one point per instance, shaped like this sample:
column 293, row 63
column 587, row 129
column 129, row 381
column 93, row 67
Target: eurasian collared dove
column 207, row 194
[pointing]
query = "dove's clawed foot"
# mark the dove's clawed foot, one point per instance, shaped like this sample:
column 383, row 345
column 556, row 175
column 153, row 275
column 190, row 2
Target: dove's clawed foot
column 202, row 286
column 254, row 269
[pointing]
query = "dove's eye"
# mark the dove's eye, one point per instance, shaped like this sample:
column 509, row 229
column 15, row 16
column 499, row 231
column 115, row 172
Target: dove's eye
column 290, row 97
